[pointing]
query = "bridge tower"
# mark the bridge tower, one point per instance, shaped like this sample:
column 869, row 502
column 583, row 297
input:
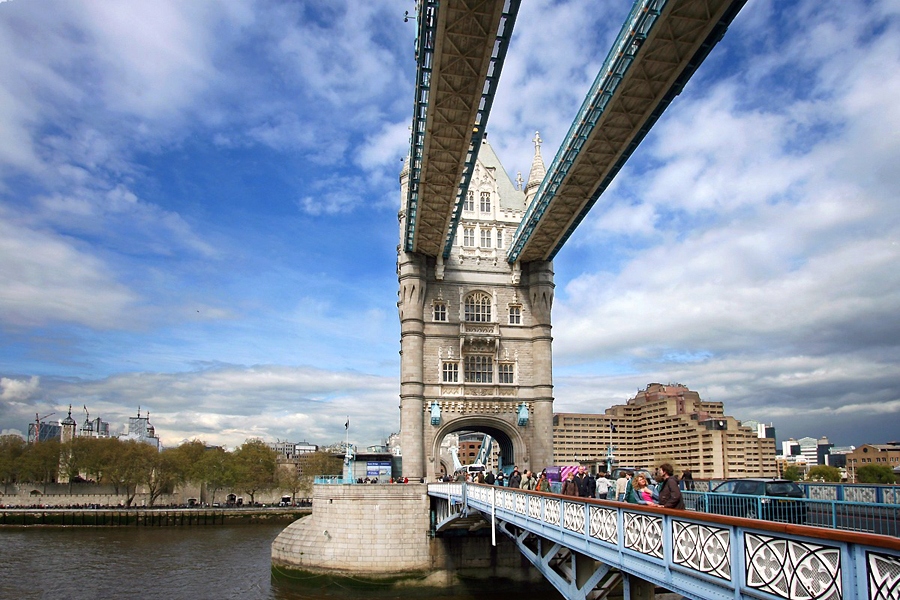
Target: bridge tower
column 475, row 331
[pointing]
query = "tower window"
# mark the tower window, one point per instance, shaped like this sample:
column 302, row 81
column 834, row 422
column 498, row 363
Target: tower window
column 479, row 369
column 499, row 238
column 485, row 238
column 485, row 202
column 451, row 372
column 515, row 314
column 468, row 236
column 470, row 201
column 440, row 311
column 478, row 308
column 506, row 372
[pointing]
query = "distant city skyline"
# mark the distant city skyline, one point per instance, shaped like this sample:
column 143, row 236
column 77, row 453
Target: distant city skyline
column 198, row 214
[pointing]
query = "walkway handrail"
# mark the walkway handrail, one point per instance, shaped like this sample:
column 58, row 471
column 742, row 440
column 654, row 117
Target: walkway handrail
column 861, row 517
column 695, row 554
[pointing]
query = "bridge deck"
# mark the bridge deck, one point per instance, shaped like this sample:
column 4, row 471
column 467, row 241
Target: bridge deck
column 460, row 50
column 694, row 554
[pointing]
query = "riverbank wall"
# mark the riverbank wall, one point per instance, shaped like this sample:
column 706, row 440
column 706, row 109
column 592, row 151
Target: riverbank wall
column 53, row 495
column 384, row 533
column 189, row 517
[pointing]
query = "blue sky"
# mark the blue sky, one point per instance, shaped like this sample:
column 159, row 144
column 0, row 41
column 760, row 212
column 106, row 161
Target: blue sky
column 198, row 216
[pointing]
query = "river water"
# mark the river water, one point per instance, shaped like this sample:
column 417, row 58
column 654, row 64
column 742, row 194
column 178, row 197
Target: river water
column 177, row 563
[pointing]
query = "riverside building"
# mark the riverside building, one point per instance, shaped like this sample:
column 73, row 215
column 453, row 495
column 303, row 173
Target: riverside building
column 665, row 423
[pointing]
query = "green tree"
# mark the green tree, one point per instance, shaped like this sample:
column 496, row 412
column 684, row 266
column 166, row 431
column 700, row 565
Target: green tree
column 875, row 474
column 216, row 469
column 792, row 473
column 188, row 456
column 12, row 447
column 255, row 465
column 131, row 467
column 167, row 469
column 824, row 473
column 104, row 461
column 315, row 464
column 76, row 456
column 40, row 462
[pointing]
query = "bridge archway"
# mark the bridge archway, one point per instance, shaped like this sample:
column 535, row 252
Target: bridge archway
column 513, row 448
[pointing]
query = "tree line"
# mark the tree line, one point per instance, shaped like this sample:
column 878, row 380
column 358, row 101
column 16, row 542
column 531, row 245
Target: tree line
column 129, row 465
column 865, row 474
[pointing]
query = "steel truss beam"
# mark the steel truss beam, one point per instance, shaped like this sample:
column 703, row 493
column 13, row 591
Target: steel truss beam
column 460, row 50
column 576, row 576
column 659, row 48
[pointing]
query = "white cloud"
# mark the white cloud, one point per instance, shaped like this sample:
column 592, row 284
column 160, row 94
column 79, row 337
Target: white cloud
column 18, row 389
column 228, row 404
column 48, row 280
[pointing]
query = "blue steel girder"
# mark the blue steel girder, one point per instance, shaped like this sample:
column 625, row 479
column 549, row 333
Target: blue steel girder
column 701, row 556
column 658, row 49
column 460, row 50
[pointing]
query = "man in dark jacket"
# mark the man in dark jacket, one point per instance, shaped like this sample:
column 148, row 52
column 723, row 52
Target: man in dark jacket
column 669, row 493
column 515, row 480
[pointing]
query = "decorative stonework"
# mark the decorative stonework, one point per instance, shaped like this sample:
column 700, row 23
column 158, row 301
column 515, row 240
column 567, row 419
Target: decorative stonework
column 643, row 533
column 604, row 524
column 551, row 511
column 702, row 548
column 884, row 576
column 791, row 569
column 534, row 507
column 573, row 516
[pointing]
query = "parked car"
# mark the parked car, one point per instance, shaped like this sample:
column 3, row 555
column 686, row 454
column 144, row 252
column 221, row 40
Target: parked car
column 634, row 471
column 757, row 498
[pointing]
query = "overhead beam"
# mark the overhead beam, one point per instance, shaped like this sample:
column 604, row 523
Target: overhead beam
column 658, row 49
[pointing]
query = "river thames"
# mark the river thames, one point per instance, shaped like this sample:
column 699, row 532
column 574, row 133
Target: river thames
column 175, row 563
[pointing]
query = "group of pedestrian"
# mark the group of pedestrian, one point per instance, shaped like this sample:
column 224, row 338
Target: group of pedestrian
column 638, row 490
column 580, row 483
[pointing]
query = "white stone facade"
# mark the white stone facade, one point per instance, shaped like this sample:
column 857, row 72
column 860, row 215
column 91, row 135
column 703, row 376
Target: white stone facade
column 475, row 334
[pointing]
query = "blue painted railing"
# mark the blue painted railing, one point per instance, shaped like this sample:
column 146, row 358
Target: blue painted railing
column 698, row 555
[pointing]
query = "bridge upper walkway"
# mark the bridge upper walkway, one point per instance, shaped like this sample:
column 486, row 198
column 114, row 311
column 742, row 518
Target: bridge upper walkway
column 658, row 49
column 578, row 543
column 460, row 49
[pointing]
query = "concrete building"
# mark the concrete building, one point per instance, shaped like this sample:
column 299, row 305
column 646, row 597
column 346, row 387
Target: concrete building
column 475, row 331
column 291, row 450
column 665, row 423
column 887, row 455
column 140, row 429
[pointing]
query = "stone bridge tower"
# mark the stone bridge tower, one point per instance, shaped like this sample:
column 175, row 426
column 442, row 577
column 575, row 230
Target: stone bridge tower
column 475, row 332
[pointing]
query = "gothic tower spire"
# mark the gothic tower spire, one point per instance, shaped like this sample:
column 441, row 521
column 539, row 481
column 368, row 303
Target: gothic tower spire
column 538, row 171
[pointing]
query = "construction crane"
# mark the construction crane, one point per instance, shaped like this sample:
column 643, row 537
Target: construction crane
column 37, row 425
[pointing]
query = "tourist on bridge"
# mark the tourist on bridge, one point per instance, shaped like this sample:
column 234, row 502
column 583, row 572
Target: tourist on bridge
column 515, row 480
column 622, row 485
column 687, row 480
column 569, row 487
column 543, row 484
column 581, row 482
column 642, row 492
column 500, row 479
column 489, row 478
column 528, row 481
column 603, row 485
column 669, row 493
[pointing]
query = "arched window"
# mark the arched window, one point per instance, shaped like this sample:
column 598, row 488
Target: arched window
column 478, row 308
column 440, row 311
column 470, row 201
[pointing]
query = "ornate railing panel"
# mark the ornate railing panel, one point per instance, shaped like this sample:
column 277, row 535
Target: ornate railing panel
column 697, row 555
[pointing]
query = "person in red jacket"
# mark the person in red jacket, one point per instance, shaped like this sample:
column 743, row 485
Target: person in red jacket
column 669, row 493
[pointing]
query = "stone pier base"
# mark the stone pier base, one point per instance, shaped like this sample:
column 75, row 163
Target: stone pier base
column 382, row 532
